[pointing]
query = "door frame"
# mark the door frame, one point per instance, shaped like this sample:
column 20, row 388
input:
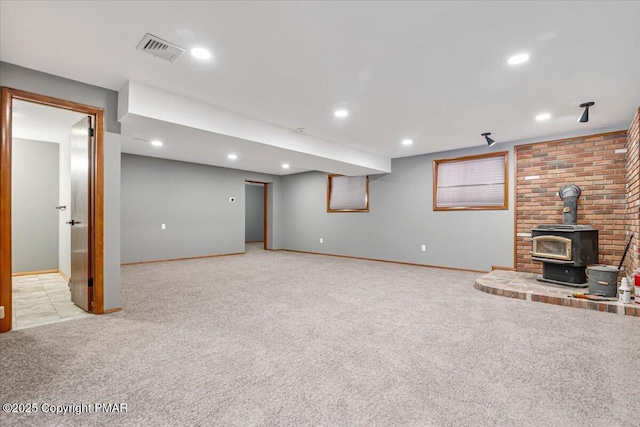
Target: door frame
column 265, row 208
column 97, row 171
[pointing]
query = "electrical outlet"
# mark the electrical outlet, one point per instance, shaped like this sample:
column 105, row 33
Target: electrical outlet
column 424, row 248
column 321, row 240
column 164, row 226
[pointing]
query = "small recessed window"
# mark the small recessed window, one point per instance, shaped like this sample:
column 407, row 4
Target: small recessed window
column 347, row 193
column 472, row 182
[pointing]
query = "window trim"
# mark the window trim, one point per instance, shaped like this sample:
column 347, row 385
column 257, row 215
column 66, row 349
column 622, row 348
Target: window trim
column 436, row 163
column 329, row 210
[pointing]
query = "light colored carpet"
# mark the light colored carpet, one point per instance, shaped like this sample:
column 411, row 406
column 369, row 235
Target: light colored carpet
column 288, row 339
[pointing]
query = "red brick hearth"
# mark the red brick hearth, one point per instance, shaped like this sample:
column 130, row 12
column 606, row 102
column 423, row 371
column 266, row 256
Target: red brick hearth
column 524, row 286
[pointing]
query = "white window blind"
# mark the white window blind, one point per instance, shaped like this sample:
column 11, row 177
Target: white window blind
column 348, row 193
column 471, row 183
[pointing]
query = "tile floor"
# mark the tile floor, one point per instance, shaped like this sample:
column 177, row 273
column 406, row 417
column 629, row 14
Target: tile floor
column 42, row 299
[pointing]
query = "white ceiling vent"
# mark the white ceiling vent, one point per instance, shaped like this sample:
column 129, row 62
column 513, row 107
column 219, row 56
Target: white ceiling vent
column 160, row 48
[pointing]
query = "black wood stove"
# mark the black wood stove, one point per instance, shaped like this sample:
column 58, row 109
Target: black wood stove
column 565, row 249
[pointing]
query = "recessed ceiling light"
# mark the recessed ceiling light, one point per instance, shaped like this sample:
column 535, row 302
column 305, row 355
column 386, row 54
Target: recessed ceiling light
column 232, row 156
column 543, row 116
column 407, row 141
column 341, row 113
column 200, row 53
column 285, row 166
column 156, row 143
column 518, row 59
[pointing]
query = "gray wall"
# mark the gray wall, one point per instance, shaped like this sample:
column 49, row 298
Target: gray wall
column 193, row 201
column 112, row 146
column 47, row 84
column 64, row 199
column 254, row 212
column 401, row 219
column 34, row 81
column 35, row 189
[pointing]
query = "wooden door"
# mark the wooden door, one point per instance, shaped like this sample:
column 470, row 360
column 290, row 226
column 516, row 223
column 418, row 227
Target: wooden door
column 81, row 272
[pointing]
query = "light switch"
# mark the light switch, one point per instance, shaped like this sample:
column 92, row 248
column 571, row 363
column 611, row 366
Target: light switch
column 164, row 226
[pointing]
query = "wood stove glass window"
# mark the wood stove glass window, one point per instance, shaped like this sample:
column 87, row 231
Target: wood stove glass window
column 552, row 247
column 347, row 193
column 472, row 182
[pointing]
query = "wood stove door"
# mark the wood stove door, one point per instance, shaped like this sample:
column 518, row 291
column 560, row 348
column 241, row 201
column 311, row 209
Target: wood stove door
column 553, row 247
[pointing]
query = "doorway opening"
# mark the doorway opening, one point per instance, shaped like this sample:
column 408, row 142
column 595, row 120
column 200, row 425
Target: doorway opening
column 40, row 209
column 256, row 214
column 92, row 126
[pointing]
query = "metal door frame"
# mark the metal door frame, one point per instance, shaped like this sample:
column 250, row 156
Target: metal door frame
column 97, row 209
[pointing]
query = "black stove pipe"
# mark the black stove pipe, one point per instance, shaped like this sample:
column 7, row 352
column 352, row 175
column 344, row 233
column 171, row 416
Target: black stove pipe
column 569, row 195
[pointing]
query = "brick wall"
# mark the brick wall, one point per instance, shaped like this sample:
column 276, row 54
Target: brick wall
column 592, row 164
column 633, row 193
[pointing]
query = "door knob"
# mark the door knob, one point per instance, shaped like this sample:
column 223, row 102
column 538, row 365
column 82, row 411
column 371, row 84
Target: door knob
column 73, row 222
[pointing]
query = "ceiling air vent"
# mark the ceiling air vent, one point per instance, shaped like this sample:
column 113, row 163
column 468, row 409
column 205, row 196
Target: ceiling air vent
column 160, row 48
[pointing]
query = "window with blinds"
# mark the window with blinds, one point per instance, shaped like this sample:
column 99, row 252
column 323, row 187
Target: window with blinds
column 347, row 193
column 473, row 182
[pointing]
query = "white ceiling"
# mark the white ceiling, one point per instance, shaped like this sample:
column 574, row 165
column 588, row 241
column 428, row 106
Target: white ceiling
column 42, row 123
column 433, row 71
